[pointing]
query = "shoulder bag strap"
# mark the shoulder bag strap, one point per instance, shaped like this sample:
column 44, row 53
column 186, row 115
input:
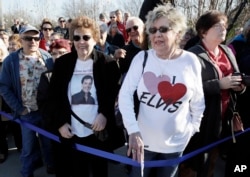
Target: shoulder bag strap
column 145, row 60
column 86, row 124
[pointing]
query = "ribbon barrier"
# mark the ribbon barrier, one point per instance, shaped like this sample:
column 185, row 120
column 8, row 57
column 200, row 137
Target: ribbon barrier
column 119, row 158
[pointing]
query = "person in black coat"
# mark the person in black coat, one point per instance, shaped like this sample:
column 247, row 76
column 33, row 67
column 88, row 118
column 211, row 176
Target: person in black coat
column 68, row 71
column 219, row 85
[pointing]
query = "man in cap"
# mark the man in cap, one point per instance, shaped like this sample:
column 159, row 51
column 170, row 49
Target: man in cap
column 19, row 79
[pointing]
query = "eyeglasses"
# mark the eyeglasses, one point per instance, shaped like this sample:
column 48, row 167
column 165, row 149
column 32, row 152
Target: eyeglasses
column 30, row 38
column 112, row 17
column 135, row 28
column 84, row 37
column 61, row 21
column 162, row 29
column 47, row 29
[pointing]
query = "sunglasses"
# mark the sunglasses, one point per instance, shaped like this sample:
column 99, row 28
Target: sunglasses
column 62, row 21
column 84, row 37
column 47, row 29
column 30, row 38
column 112, row 17
column 135, row 28
column 162, row 29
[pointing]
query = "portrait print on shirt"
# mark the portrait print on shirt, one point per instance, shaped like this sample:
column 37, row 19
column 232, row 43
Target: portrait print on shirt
column 84, row 95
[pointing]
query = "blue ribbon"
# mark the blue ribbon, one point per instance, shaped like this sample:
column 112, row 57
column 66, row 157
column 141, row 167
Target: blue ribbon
column 119, row 158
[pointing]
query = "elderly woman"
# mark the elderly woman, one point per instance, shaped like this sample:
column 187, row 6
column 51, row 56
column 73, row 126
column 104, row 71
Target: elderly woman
column 66, row 80
column 103, row 45
column 219, row 84
column 59, row 47
column 115, row 36
column 170, row 92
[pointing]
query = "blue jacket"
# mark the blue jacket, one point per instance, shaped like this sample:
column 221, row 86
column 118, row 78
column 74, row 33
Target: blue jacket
column 10, row 85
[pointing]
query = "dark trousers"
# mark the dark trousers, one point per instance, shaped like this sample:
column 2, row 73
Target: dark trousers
column 70, row 162
column 13, row 128
column 238, row 155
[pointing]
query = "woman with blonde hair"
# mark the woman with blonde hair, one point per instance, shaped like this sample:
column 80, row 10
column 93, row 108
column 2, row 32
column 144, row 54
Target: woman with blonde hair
column 14, row 43
column 169, row 88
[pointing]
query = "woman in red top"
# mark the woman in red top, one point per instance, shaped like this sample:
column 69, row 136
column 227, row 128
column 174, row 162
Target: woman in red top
column 47, row 30
column 219, row 84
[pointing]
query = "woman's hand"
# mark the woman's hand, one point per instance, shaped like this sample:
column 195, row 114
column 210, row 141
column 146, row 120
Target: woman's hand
column 99, row 122
column 233, row 82
column 65, row 131
column 119, row 53
column 136, row 147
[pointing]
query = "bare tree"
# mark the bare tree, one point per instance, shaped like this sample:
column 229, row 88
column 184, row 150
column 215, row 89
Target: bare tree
column 131, row 6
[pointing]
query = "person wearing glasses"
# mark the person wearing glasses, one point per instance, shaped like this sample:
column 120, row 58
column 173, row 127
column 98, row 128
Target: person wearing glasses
column 120, row 26
column 68, row 72
column 220, row 86
column 19, row 79
column 47, row 29
column 136, row 33
column 61, row 28
column 58, row 48
column 170, row 94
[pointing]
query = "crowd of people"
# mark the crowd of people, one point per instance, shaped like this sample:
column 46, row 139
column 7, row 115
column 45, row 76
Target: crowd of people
column 170, row 81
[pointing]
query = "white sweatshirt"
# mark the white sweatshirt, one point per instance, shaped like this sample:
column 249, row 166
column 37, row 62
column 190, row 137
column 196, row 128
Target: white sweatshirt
column 171, row 100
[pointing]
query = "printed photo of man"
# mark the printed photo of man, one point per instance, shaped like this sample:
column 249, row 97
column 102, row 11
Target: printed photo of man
column 84, row 96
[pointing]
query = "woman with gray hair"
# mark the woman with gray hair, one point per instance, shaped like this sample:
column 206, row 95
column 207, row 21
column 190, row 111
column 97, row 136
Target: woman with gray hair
column 169, row 88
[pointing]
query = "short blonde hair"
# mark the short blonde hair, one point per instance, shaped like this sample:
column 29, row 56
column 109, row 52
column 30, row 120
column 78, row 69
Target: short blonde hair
column 84, row 22
column 16, row 38
column 177, row 20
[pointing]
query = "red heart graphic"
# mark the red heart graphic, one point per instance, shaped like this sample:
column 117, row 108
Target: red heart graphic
column 171, row 93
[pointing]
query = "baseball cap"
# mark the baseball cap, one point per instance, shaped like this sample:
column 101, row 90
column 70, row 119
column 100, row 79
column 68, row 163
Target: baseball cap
column 27, row 28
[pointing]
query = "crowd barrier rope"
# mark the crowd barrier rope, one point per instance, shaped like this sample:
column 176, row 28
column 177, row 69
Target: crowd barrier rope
column 120, row 158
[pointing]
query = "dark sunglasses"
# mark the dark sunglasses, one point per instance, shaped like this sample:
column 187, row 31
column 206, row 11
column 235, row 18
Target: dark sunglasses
column 112, row 17
column 162, row 29
column 30, row 38
column 62, row 21
column 47, row 29
column 135, row 28
column 84, row 37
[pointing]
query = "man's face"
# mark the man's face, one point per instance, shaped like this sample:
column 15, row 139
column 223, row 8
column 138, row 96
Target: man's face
column 30, row 42
column 62, row 22
column 86, row 85
column 119, row 16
